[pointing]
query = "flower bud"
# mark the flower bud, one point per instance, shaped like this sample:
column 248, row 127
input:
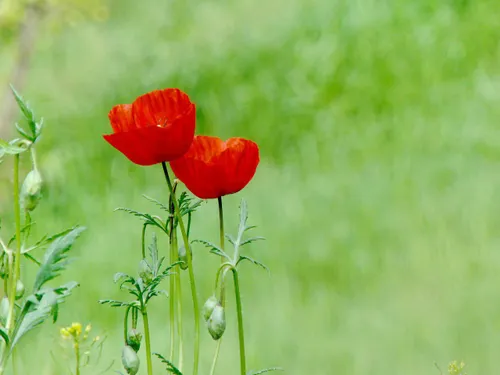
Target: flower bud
column 217, row 322
column 130, row 360
column 183, row 257
column 31, row 191
column 145, row 271
column 209, row 306
column 134, row 338
column 19, row 289
column 4, row 310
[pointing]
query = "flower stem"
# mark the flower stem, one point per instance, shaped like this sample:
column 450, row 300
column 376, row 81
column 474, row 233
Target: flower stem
column 190, row 271
column 77, row 355
column 221, row 237
column 239, row 310
column 172, row 282
column 16, row 269
column 179, row 318
column 143, row 241
column 147, row 339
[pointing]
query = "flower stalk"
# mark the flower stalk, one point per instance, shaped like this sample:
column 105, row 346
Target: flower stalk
column 192, row 281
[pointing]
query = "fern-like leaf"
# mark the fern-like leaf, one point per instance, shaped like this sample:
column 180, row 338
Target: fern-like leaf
column 55, row 258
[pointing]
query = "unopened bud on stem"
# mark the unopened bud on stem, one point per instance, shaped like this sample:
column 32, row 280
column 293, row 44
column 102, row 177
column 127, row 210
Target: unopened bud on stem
column 183, row 257
column 31, row 191
column 209, row 306
column 217, row 322
column 134, row 338
column 130, row 360
column 19, row 289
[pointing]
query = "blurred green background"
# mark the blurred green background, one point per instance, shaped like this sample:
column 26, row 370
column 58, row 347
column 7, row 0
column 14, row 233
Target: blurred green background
column 378, row 190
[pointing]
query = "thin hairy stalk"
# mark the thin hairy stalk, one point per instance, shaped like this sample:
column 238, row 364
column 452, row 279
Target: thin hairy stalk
column 143, row 241
column 192, row 281
column 179, row 320
column 221, row 239
column 239, row 310
column 147, row 339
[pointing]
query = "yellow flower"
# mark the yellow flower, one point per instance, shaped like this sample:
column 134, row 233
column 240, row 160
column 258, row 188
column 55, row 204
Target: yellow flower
column 64, row 333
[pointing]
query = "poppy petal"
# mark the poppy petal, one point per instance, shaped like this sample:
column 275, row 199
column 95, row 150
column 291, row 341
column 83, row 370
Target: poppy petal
column 153, row 145
column 120, row 117
column 160, row 107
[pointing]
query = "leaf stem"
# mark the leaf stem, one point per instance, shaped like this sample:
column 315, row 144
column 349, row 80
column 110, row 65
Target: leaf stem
column 239, row 310
column 194, row 295
column 147, row 339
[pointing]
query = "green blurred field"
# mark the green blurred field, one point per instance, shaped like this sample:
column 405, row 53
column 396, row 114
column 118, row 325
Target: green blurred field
column 378, row 192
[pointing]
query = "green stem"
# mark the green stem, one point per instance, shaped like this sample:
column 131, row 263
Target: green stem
column 194, row 295
column 77, row 354
column 221, row 238
column 125, row 323
column 143, row 241
column 239, row 310
column 147, row 339
column 179, row 317
column 17, row 259
column 173, row 246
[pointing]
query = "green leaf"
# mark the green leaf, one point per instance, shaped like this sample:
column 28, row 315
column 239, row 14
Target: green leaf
column 214, row 249
column 158, row 203
column 170, row 366
column 156, row 262
column 250, row 240
column 55, row 258
column 36, row 317
column 147, row 218
column 9, row 148
column 186, row 204
column 5, row 335
column 28, row 115
column 115, row 303
column 244, row 257
column 265, row 370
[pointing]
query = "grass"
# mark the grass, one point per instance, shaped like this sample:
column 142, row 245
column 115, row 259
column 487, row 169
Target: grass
column 377, row 192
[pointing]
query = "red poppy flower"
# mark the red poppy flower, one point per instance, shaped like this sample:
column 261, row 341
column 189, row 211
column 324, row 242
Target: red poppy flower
column 156, row 127
column 213, row 168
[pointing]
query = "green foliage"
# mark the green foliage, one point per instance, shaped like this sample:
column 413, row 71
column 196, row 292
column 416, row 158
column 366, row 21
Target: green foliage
column 270, row 369
column 55, row 258
column 170, row 366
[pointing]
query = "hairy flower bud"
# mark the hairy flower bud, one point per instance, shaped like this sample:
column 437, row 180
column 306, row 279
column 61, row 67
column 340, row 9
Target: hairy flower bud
column 134, row 338
column 130, row 360
column 209, row 306
column 217, row 322
column 183, row 257
column 19, row 289
column 31, row 191
column 4, row 310
column 145, row 271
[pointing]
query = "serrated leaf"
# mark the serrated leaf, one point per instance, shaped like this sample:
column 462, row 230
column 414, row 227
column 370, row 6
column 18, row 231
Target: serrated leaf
column 230, row 238
column 256, row 262
column 158, row 203
column 55, row 258
column 147, row 218
column 214, row 249
column 258, row 372
column 115, row 303
column 170, row 366
column 250, row 240
column 34, row 318
column 28, row 115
